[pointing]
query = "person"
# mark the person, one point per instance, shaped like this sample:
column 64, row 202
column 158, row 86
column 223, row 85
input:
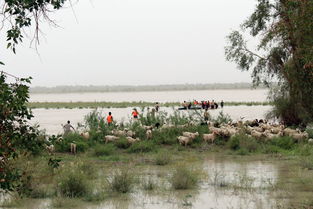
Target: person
column 110, row 118
column 135, row 113
column 206, row 115
column 157, row 106
column 222, row 104
column 189, row 106
column 67, row 128
column 212, row 104
column 153, row 112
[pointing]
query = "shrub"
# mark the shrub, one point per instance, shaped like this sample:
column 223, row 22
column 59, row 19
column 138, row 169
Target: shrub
column 122, row 143
column 184, row 178
column 74, row 184
column 148, row 184
column 81, row 146
column 284, row 142
column 307, row 163
column 143, row 146
column 162, row 158
column 121, row 181
column 244, row 143
column 105, row 150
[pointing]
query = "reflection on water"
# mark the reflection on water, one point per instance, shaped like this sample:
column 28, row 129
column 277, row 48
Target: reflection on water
column 238, row 95
column 257, row 195
column 51, row 119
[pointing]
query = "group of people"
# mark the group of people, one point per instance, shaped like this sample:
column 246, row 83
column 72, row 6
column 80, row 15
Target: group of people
column 109, row 119
column 203, row 104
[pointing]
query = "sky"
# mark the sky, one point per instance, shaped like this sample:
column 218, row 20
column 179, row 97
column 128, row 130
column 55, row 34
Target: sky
column 133, row 42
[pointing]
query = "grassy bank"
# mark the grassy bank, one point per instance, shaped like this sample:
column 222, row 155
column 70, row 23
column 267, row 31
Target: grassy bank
column 72, row 105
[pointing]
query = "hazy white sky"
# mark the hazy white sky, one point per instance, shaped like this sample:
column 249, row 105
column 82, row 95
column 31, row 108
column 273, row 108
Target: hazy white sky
column 134, row 42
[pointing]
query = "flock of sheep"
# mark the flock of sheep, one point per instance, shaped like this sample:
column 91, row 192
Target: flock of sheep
column 260, row 131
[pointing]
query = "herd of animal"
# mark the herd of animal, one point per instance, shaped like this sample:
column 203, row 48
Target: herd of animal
column 260, row 131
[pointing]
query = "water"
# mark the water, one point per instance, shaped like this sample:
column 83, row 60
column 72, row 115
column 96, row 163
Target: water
column 257, row 194
column 51, row 119
column 238, row 95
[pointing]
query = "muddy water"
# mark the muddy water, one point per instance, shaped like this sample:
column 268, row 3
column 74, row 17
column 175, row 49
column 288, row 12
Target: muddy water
column 51, row 119
column 247, row 184
column 238, row 95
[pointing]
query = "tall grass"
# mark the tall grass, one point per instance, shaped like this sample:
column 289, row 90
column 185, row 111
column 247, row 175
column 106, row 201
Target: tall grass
column 184, row 177
column 121, row 181
column 74, row 184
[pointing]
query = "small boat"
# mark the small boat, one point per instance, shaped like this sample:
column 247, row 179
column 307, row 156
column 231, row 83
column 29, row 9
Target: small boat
column 191, row 108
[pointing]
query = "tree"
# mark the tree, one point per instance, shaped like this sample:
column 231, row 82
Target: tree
column 284, row 54
column 17, row 137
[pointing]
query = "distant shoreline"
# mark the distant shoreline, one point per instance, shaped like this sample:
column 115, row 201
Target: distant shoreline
column 81, row 105
column 142, row 88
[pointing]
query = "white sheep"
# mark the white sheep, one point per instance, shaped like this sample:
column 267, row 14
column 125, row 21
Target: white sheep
column 73, row 148
column 191, row 135
column 149, row 134
column 132, row 140
column 209, row 137
column 184, row 140
column 110, row 138
column 85, row 135
column 310, row 141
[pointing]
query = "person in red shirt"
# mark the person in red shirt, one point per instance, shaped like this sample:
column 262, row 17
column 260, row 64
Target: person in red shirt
column 110, row 118
column 135, row 113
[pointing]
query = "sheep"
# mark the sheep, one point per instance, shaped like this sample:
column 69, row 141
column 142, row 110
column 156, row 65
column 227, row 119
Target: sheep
column 275, row 130
column 184, row 140
column 50, row 148
column 191, row 135
column 258, row 129
column 130, row 133
column 256, row 134
column 289, row 132
column 310, row 141
column 85, row 135
column 149, row 134
column 132, row 140
column 209, row 137
column 148, row 127
column 299, row 136
column 73, row 148
column 118, row 133
column 110, row 138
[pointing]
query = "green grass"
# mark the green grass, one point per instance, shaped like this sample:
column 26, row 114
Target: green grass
column 184, row 178
column 121, row 181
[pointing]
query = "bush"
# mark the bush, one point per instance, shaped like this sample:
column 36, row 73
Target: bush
column 284, row 142
column 121, row 181
column 74, row 184
column 143, row 146
column 148, row 184
column 244, row 143
column 105, row 150
column 122, row 143
column 162, row 158
column 184, row 178
column 81, row 146
column 307, row 163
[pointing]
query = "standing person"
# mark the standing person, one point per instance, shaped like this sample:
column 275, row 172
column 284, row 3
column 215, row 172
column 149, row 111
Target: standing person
column 110, row 118
column 157, row 106
column 135, row 114
column 206, row 115
column 222, row 104
column 67, row 128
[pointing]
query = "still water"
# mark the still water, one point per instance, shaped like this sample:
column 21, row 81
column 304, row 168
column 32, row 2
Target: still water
column 238, row 95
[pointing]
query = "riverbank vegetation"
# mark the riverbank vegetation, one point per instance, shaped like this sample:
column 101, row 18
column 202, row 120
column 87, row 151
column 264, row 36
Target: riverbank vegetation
column 91, row 105
column 101, row 172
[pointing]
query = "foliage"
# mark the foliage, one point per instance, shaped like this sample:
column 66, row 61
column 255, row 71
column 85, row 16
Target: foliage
column 284, row 142
column 162, row 158
column 16, row 135
column 184, row 178
column 284, row 54
column 122, row 143
column 21, row 14
column 243, row 143
column 73, row 184
column 105, row 150
column 121, row 181
column 221, row 119
column 142, row 146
